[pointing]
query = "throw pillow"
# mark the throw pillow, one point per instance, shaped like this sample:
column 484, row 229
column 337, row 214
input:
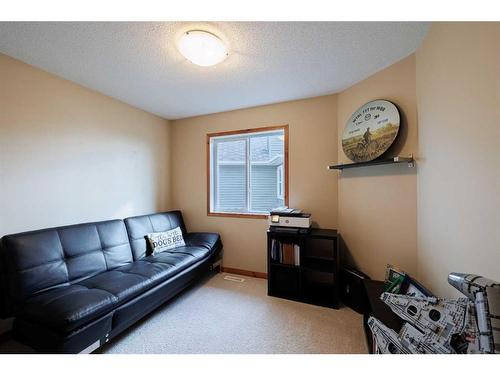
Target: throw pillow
column 162, row 241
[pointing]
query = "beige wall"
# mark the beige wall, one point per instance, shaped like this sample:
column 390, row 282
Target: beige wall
column 377, row 205
column 312, row 146
column 458, row 90
column 69, row 155
column 375, row 209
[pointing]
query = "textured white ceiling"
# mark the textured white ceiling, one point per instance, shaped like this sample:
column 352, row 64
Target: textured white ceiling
column 269, row 62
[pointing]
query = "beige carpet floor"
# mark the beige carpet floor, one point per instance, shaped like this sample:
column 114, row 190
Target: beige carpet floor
column 221, row 316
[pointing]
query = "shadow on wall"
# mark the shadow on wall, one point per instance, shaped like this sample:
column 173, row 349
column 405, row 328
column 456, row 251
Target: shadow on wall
column 346, row 256
column 375, row 223
column 380, row 170
column 397, row 146
column 84, row 173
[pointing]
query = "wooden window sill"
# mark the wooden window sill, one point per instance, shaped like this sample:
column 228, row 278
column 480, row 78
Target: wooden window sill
column 242, row 216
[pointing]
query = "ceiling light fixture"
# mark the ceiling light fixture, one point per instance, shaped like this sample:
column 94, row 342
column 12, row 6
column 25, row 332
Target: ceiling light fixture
column 202, row 48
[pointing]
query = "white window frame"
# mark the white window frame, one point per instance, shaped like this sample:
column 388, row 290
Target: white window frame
column 280, row 176
column 213, row 140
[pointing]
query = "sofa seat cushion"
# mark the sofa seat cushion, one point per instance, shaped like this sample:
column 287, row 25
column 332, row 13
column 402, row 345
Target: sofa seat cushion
column 122, row 285
column 210, row 241
column 68, row 307
column 154, row 271
column 177, row 254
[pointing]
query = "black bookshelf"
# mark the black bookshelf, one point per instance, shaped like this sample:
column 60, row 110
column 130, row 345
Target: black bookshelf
column 315, row 279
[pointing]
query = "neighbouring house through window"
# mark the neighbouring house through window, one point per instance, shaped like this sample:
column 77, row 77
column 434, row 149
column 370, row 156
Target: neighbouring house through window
column 247, row 171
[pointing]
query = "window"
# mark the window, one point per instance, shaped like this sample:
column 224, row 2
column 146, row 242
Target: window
column 247, row 171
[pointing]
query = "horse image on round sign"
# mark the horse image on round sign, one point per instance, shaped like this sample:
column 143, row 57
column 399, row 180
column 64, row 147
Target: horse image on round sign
column 371, row 130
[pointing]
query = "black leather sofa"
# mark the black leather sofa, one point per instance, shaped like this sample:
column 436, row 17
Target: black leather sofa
column 73, row 288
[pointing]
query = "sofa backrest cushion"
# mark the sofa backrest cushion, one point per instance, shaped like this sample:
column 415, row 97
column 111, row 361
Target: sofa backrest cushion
column 44, row 259
column 139, row 226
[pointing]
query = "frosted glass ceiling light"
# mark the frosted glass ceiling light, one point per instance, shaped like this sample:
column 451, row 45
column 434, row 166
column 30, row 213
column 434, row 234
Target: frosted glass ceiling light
column 202, row 48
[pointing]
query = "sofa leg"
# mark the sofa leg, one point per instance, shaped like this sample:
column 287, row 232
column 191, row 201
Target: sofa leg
column 216, row 266
column 89, row 349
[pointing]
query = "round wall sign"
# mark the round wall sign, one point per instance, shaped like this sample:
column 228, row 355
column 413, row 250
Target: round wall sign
column 370, row 131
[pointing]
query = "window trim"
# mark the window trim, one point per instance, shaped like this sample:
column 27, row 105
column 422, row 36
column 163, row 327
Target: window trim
column 238, row 132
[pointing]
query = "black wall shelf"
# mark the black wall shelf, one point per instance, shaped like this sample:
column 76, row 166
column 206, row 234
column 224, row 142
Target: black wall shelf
column 395, row 160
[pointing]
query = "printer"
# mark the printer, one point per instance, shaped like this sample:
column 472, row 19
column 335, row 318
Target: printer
column 289, row 220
